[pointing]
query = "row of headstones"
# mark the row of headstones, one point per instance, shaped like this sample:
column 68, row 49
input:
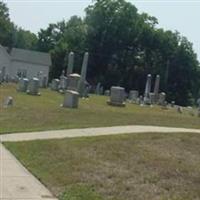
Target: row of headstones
column 29, row 86
column 118, row 95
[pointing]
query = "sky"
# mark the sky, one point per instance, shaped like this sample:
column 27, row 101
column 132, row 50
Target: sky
column 180, row 15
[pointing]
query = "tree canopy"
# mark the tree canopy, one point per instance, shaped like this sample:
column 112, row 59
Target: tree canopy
column 124, row 47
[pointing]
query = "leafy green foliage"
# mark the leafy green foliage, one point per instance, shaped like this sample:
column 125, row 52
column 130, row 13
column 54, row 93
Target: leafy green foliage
column 124, row 47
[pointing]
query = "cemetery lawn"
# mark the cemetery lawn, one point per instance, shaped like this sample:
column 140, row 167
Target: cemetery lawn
column 37, row 113
column 143, row 166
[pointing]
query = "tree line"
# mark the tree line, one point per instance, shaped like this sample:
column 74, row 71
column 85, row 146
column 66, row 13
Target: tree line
column 124, row 47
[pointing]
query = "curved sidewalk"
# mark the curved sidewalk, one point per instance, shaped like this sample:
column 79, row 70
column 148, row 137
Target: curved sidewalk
column 86, row 132
column 17, row 183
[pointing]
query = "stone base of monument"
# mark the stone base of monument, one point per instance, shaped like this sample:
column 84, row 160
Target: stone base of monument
column 71, row 99
column 119, row 104
column 33, row 93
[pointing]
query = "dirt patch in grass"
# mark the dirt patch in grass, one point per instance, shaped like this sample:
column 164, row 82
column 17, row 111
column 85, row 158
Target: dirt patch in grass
column 145, row 166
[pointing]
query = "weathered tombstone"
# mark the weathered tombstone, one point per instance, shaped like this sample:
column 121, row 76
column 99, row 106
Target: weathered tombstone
column 117, row 96
column 172, row 104
column 156, row 88
column 162, row 97
column 70, row 63
column 133, row 95
column 147, row 89
column 97, row 90
column 55, row 84
column 107, row 93
column 63, row 83
column 82, row 81
column 180, row 109
column 8, row 102
column 73, row 82
column 152, row 98
column 86, row 92
column 23, row 85
column 33, row 87
column 71, row 99
column 43, row 82
column 101, row 90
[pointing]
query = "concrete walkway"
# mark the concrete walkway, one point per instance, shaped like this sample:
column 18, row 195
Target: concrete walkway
column 16, row 183
column 56, row 134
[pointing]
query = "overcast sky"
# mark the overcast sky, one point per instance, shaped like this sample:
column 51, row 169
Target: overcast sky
column 183, row 16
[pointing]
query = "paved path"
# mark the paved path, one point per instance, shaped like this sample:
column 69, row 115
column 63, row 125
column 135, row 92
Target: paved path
column 16, row 183
column 90, row 132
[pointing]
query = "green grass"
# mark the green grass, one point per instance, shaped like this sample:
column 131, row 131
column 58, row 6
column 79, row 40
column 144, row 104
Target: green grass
column 145, row 166
column 34, row 113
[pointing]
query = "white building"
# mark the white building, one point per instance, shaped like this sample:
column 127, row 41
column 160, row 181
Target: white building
column 23, row 63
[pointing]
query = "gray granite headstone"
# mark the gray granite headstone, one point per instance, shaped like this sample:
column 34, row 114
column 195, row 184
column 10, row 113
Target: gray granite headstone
column 107, row 93
column 33, row 87
column 152, row 98
column 101, row 90
column 73, row 82
column 55, row 84
column 70, row 63
column 23, row 85
column 8, row 102
column 117, row 96
column 162, row 97
column 43, row 82
column 133, row 95
column 147, row 89
column 156, row 88
column 98, row 88
column 71, row 99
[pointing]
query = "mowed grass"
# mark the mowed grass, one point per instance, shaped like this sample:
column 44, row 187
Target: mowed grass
column 34, row 113
column 146, row 166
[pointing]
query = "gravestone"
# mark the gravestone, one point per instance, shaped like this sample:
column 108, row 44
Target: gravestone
column 33, row 87
column 101, row 90
column 70, row 63
column 180, row 109
column 162, row 97
column 8, row 102
column 117, row 96
column 82, row 82
column 147, row 89
column 23, row 85
column 71, row 99
column 73, row 82
column 133, row 95
column 43, row 82
column 107, row 93
column 152, row 98
column 55, row 84
column 63, row 83
column 156, row 88
column 97, row 90
column 172, row 104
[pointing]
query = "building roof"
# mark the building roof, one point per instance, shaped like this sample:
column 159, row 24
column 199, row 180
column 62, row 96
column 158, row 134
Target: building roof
column 30, row 56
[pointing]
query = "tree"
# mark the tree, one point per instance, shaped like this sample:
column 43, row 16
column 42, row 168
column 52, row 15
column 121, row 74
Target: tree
column 6, row 26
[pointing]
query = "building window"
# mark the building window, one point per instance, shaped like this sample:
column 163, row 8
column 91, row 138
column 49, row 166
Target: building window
column 22, row 73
